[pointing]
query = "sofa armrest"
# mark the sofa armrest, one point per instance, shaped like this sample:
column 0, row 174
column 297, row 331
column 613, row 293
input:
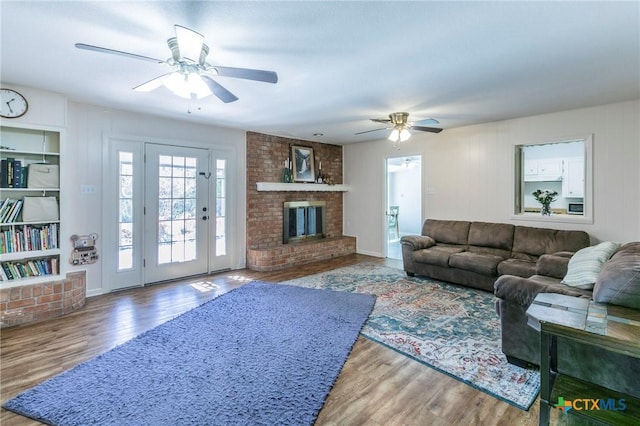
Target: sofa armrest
column 566, row 254
column 523, row 290
column 417, row 242
column 553, row 265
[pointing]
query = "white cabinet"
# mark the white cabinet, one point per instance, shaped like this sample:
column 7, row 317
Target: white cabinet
column 548, row 169
column 29, row 251
column 573, row 178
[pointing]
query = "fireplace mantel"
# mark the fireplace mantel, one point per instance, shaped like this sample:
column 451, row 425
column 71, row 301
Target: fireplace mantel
column 279, row 186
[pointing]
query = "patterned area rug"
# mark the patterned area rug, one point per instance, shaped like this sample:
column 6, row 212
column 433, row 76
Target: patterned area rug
column 451, row 328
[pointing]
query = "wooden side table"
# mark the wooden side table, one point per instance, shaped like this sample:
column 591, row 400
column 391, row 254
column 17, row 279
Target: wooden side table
column 610, row 327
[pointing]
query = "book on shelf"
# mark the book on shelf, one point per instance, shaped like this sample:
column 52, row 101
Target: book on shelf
column 7, row 172
column 7, row 271
column 6, row 205
column 30, row 268
column 29, row 238
column 15, row 211
column 10, row 210
column 4, row 173
column 13, row 173
column 17, row 174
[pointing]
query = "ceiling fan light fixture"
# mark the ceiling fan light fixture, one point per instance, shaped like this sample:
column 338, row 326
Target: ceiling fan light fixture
column 395, row 135
column 399, row 134
column 187, row 85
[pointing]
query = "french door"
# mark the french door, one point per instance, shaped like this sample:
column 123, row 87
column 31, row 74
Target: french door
column 176, row 212
column 166, row 213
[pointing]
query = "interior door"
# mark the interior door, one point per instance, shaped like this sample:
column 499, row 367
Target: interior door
column 176, row 212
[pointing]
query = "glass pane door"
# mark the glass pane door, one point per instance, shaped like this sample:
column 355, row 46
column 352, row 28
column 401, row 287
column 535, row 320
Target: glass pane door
column 221, row 227
column 176, row 212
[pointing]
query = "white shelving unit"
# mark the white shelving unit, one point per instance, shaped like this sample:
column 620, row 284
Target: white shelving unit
column 21, row 264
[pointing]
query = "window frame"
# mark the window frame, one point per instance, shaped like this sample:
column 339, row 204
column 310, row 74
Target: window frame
column 517, row 207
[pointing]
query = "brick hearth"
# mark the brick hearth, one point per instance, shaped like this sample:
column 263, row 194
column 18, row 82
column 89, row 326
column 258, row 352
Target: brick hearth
column 265, row 162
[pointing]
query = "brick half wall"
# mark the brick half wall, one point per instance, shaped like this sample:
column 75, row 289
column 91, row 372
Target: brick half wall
column 36, row 302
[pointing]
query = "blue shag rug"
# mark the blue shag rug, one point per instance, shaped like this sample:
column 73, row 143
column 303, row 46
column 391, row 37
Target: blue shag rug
column 262, row 354
column 451, row 328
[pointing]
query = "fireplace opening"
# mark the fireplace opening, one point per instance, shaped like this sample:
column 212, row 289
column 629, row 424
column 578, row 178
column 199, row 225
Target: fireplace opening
column 303, row 220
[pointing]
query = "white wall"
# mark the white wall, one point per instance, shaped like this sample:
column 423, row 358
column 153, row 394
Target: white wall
column 468, row 173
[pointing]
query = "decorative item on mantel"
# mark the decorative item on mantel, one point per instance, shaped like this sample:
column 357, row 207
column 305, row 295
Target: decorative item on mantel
column 319, row 175
column 545, row 197
column 304, row 169
column 287, row 176
column 326, row 179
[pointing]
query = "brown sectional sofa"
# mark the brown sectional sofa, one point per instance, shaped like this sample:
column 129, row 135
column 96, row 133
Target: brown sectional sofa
column 474, row 254
column 617, row 283
column 517, row 263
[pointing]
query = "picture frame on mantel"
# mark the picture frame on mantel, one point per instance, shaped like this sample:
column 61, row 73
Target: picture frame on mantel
column 304, row 167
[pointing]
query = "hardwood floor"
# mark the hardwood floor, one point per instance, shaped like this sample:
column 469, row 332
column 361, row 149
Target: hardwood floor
column 377, row 385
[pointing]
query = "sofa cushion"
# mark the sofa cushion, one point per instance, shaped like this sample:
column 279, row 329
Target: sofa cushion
column 618, row 282
column 553, row 265
column 436, row 255
column 538, row 241
column 505, row 254
column 518, row 267
column 485, row 264
column 585, row 265
column 494, row 235
column 447, row 231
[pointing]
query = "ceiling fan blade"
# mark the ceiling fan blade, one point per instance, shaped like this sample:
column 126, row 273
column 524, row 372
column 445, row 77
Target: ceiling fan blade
column 426, row 129
column 374, row 130
column 152, row 84
column 427, row 121
column 189, row 42
column 381, row 120
column 117, row 52
column 246, row 73
column 223, row 94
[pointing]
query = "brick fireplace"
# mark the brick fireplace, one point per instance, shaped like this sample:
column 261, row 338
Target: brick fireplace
column 266, row 156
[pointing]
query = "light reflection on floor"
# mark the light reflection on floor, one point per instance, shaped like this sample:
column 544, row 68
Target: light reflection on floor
column 204, row 286
column 240, row 278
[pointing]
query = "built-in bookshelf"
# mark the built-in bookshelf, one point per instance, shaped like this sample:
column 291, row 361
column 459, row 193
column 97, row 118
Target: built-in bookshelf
column 29, row 247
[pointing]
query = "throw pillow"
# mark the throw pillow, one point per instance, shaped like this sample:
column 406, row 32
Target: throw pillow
column 619, row 280
column 585, row 265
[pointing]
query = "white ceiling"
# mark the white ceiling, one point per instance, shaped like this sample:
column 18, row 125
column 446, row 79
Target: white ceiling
column 339, row 63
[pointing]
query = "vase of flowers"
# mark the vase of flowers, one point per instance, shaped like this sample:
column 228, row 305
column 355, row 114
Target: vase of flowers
column 545, row 197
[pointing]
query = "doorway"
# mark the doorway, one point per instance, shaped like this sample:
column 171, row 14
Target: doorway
column 166, row 213
column 403, row 209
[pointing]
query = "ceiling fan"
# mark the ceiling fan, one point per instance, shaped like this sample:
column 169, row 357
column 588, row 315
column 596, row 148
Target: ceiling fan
column 190, row 76
column 398, row 121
